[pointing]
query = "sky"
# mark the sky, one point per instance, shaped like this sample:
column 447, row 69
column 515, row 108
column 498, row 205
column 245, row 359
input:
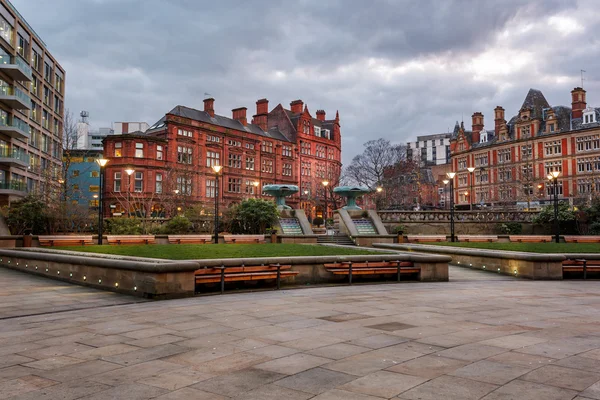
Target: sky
column 394, row 69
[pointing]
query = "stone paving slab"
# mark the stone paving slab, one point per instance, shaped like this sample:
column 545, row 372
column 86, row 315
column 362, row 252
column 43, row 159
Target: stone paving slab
column 479, row 336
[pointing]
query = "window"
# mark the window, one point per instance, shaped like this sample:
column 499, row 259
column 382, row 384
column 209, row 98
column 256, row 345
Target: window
column 95, row 174
column 553, row 148
column 526, row 151
column 330, row 154
column 587, row 164
column 250, row 146
column 553, row 166
column 46, row 119
column 317, row 131
column 550, row 188
column 57, row 104
column 235, row 185
column 215, row 139
column 34, row 86
column 587, row 143
column 286, row 151
column 480, row 160
column 139, row 182
column 47, row 72
column 267, row 147
column 250, row 163
column 462, row 163
column 305, row 148
column 504, row 155
column 94, row 188
column 117, row 183
column 212, row 158
column 139, row 150
column 59, row 83
column 305, row 169
column 320, row 151
column 6, row 30
column 23, row 47
column 325, row 133
column 525, row 132
column 287, row 169
column 584, row 186
column 589, row 116
column 159, row 183
column 210, row 188
column 267, row 166
column 184, row 185
column 118, row 149
column 306, row 127
column 36, row 59
column 159, row 152
column 183, row 132
column 505, row 175
column 320, row 170
column 46, row 96
column 249, row 187
column 184, row 155
column 462, row 180
column 235, row 160
column 75, row 172
column 235, row 143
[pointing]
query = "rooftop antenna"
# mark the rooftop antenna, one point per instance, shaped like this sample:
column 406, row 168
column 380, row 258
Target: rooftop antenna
column 84, row 116
column 207, row 95
column 582, row 78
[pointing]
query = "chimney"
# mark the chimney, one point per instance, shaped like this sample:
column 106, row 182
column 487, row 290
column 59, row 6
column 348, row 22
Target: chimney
column 262, row 114
column 296, row 106
column 209, row 106
column 578, row 102
column 498, row 119
column 476, row 126
column 321, row 115
column 239, row 114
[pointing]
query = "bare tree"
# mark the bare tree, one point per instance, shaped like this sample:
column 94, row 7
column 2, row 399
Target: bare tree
column 368, row 168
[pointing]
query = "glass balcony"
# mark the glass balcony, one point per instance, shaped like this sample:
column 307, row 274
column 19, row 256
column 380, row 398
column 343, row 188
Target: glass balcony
column 15, row 128
column 15, row 67
column 14, row 157
column 13, row 187
column 15, row 98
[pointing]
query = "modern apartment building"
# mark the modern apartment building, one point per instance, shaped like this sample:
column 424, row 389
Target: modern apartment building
column 92, row 139
column 430, row 150
column 171, row 162
column 511, row 162
column 32, row 88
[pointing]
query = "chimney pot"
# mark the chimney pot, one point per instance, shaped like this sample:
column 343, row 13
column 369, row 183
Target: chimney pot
column 578, row 102
column 297, row 106
column 321, row 115
column 239, row 114
column 209, row 106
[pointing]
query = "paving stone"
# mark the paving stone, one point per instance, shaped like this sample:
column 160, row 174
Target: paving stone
column 471, row 352
column 338, row 351
column 580, row 362
column 429, row 366
column 53, row 362
column 383, row 384
column 378, row 341
column 293, row 364
column 176, row 379
column 238, row 382
column 449, row 388
column 513, row 341
column 523, row 390
column 143, row 355
column 190, row 394
column 130, row 391
column 337, row 394
column 55, row 351
column 592, row 392
column 274, row 392
column 315, row 381
column 490, row 372
column 134, row 373
column 567, row 378
column 391, row 326
column 275, row 351
column 65, row 391
column 14, row 359
column 105, row 351
column 24, row 384
column 232, row 362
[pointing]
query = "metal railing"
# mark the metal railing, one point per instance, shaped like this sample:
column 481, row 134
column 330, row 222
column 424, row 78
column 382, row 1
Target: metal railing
column 14, row 154
column 13, row 185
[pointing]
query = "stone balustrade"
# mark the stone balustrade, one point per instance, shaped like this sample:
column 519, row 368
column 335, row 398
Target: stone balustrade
column 398, row 216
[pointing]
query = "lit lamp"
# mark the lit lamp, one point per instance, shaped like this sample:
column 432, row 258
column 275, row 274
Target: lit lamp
column 217, row 170
column 256, row 184
column 471, row 170
column 451, row 176
column 129, row 172
column 553, row 177
column 325, row 184
column 445, row 181
column 102, row 163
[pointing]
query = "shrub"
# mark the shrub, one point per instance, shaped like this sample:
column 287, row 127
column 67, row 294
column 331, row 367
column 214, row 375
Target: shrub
column 29, row 215
column 318, row 221
column 252, row 216
column 124, row 226
column 399, row 229
column 177, row 225
column 510, row 228
column 565, row 214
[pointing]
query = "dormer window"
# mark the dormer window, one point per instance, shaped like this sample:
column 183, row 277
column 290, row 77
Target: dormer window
column 317, row 131
column 589, row 116
column 483, row 137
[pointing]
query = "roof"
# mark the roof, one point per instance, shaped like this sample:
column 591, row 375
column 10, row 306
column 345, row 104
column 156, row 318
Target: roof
column 536, row 102
column 219, row 120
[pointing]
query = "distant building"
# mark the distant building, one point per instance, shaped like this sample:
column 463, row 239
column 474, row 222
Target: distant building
column 92, row 140
column 83, row 177
column 430, row 149
column 120, row 128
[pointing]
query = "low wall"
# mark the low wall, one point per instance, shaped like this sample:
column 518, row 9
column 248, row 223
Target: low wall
column 368, row 240
column 526, row 265
column 152, row 278
column 306, row 239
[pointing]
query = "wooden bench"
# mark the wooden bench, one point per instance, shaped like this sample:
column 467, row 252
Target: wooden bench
column 530, row 239
column 372, row 268
column 65, row 240
column 130, row 239
column 425, row 238
column 477, row 238
column 581, row 265
column 189, row 239
column 244, row 239
column 243, row 273
column 582, row 239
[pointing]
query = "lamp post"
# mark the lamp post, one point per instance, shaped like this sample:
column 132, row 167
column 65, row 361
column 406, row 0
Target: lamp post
column 450, row 176
column 379, row 189
column 553, row 177
column 129, row 171
column 256, row 184
column 445, row 181
column 325, row 184
column 471, row 170
column 102, row 163
column 217, row 169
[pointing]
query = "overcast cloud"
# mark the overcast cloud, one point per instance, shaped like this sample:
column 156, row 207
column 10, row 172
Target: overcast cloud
column 393, row 69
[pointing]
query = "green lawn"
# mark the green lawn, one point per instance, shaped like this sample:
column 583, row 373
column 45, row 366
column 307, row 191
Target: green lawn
column 531, row 247
column 208, row 251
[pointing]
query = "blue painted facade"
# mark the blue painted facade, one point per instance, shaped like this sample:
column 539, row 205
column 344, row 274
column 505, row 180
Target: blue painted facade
column 83, row 178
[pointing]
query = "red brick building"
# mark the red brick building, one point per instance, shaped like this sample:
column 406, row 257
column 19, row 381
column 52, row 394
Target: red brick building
column 172, row 160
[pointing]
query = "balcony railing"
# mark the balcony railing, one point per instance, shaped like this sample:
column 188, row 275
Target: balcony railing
column 15, row 97
column 15, row 67
column 15, row 128
column 15, row 185
column 12, row 154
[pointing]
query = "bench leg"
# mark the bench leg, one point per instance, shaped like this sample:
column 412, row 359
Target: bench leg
column 222, row 279
column 398, row 264
column 584, row 269
column 350, row 273
column 278, row 276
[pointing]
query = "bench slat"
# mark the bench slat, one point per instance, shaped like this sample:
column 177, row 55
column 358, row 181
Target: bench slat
column 230, row 270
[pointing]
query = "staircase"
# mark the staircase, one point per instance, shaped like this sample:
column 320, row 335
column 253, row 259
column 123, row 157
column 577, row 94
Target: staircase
column 290, row 226
column 335, row 239
column 364, row 226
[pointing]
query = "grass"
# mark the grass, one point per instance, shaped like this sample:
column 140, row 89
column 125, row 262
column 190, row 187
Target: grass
column 211, row 251
column 559, row 248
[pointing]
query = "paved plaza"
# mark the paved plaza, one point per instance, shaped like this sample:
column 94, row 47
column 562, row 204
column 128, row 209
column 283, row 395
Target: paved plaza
column 479, row 336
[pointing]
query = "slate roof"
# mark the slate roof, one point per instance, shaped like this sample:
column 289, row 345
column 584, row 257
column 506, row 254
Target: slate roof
column 218, row 120
column 536, row 102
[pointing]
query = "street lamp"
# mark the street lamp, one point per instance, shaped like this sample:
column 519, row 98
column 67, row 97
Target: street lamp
column 450, row 176
column 553, row 177
column 445, row 182
column 256, row 184
column 325, row 184
column 217, row 169
column 129, row 171
column 379, row 189
column 471, row 170
column 102, row 163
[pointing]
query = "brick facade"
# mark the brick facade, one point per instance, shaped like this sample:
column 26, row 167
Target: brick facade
column 172, row 160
